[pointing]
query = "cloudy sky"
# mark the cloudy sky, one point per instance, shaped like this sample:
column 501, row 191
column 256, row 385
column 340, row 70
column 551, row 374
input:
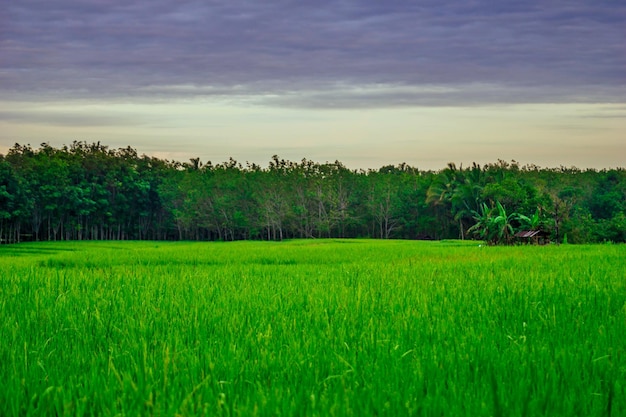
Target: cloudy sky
column 368, row 83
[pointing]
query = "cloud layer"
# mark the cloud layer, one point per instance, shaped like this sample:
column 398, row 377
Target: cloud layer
column 315, row 54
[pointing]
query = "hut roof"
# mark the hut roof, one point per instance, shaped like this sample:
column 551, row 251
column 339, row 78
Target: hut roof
column 528, row 233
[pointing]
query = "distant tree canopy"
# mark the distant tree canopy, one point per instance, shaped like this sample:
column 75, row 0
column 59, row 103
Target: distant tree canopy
column 88, row 191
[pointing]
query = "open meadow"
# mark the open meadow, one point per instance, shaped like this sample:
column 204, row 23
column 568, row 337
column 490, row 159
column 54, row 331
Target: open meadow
column 312, row 327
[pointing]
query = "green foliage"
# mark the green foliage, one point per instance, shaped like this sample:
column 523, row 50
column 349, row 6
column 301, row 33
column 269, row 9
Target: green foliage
column 495, row 226
column 311, row 327
column 90, row 192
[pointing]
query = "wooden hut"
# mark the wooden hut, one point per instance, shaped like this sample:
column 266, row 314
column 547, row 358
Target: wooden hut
column 536, row 237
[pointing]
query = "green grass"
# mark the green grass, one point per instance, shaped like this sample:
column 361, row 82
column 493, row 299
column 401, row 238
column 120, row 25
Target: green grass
column 316, row 328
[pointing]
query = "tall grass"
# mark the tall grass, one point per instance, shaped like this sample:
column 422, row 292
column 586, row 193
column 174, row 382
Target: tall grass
column 313, row 328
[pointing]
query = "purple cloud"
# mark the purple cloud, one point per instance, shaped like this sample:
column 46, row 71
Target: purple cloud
column 534, row 51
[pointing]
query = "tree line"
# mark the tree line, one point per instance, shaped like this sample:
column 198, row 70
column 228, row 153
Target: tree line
column 87, row 191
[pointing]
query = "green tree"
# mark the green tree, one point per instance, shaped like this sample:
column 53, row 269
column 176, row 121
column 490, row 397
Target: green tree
column 11, row 202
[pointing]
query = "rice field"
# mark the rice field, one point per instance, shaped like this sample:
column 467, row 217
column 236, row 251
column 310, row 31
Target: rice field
column 312, row 328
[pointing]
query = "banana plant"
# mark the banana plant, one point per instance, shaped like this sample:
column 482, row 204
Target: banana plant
column 494, row 225
column 483, row 222
column 503, row 224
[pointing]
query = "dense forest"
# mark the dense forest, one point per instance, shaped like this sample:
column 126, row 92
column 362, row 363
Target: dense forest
column 88, row 191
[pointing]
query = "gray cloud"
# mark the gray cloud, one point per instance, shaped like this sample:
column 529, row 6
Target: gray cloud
column 298, row 53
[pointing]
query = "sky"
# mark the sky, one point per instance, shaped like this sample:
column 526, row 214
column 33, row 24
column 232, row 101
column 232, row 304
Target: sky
column 368, row 83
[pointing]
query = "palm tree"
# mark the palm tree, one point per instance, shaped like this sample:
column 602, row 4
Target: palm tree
column 464, row 201
column 439, row 195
